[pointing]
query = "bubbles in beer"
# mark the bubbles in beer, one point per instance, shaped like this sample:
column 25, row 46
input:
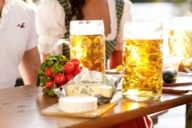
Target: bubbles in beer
column 142, row 60
column 90, row 50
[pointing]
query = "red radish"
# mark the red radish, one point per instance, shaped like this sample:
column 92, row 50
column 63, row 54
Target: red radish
column 49, row 84
column 59, row 78
column 75, row 60
column 76, row 71
column 68, row 67
column 69, row 76
column 48, row 72
column 75, row 64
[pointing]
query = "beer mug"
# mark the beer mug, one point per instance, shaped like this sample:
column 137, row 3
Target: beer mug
column 87, row 43
column 180, row 40
column 142, row 61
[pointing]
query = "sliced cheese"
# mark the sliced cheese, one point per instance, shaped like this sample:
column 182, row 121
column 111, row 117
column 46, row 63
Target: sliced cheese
column 77, row 104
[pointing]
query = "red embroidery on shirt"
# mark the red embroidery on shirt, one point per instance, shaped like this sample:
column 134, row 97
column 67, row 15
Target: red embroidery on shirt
column 21, row 25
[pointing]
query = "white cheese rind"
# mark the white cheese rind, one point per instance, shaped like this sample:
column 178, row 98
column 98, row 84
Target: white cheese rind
column 77, row 104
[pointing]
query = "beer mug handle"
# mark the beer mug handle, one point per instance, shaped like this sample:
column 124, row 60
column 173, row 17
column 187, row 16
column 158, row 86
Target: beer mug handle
column 62, row 46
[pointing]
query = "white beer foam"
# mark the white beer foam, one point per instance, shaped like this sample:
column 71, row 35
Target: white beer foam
column 143, row 30
column 87, row 27
column 181, row 23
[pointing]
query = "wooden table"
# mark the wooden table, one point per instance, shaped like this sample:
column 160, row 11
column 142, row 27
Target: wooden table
column 20, row 107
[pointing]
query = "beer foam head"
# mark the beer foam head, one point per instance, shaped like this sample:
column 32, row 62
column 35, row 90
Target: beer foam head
column 87, row 27
column 181, row 23
column 142, row 30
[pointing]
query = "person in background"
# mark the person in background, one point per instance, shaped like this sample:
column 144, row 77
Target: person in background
column 54, row 16
column 18, row 51
column 52, row 23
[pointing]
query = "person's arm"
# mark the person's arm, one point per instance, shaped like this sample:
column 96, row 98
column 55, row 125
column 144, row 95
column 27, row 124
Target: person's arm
column 127, row 16
column 29, row 66
column 50, row 25
column 30, row 62
column 116, row 56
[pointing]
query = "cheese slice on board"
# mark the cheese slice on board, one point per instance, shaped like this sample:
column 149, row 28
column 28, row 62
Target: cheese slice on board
column 89, row 90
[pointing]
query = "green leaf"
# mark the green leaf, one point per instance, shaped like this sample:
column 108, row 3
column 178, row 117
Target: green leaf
column 41, row 72
column 52, row 58
column 41, row 80
column 48, row 92
column 50, row 63
column 54, row 68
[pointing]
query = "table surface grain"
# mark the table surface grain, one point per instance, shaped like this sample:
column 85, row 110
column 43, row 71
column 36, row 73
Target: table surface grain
column 20, row 107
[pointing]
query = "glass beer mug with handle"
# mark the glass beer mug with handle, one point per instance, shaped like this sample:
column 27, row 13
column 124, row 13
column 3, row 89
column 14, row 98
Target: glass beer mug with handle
column 60, row 46
column 87, row 43
column 142, row 60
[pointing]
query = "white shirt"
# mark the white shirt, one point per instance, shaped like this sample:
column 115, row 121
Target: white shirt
column 50, row 22
column 17, row 35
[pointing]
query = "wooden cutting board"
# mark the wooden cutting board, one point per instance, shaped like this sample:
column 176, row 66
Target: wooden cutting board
column 54, row 111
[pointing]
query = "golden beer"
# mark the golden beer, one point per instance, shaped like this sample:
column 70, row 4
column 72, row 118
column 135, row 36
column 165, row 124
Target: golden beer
column 180, row 44
column 180, row 40
column 87, row 43
column 142, row 60
column 90, row 50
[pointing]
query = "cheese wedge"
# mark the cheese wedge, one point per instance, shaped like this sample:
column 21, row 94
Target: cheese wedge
column 89, row 90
